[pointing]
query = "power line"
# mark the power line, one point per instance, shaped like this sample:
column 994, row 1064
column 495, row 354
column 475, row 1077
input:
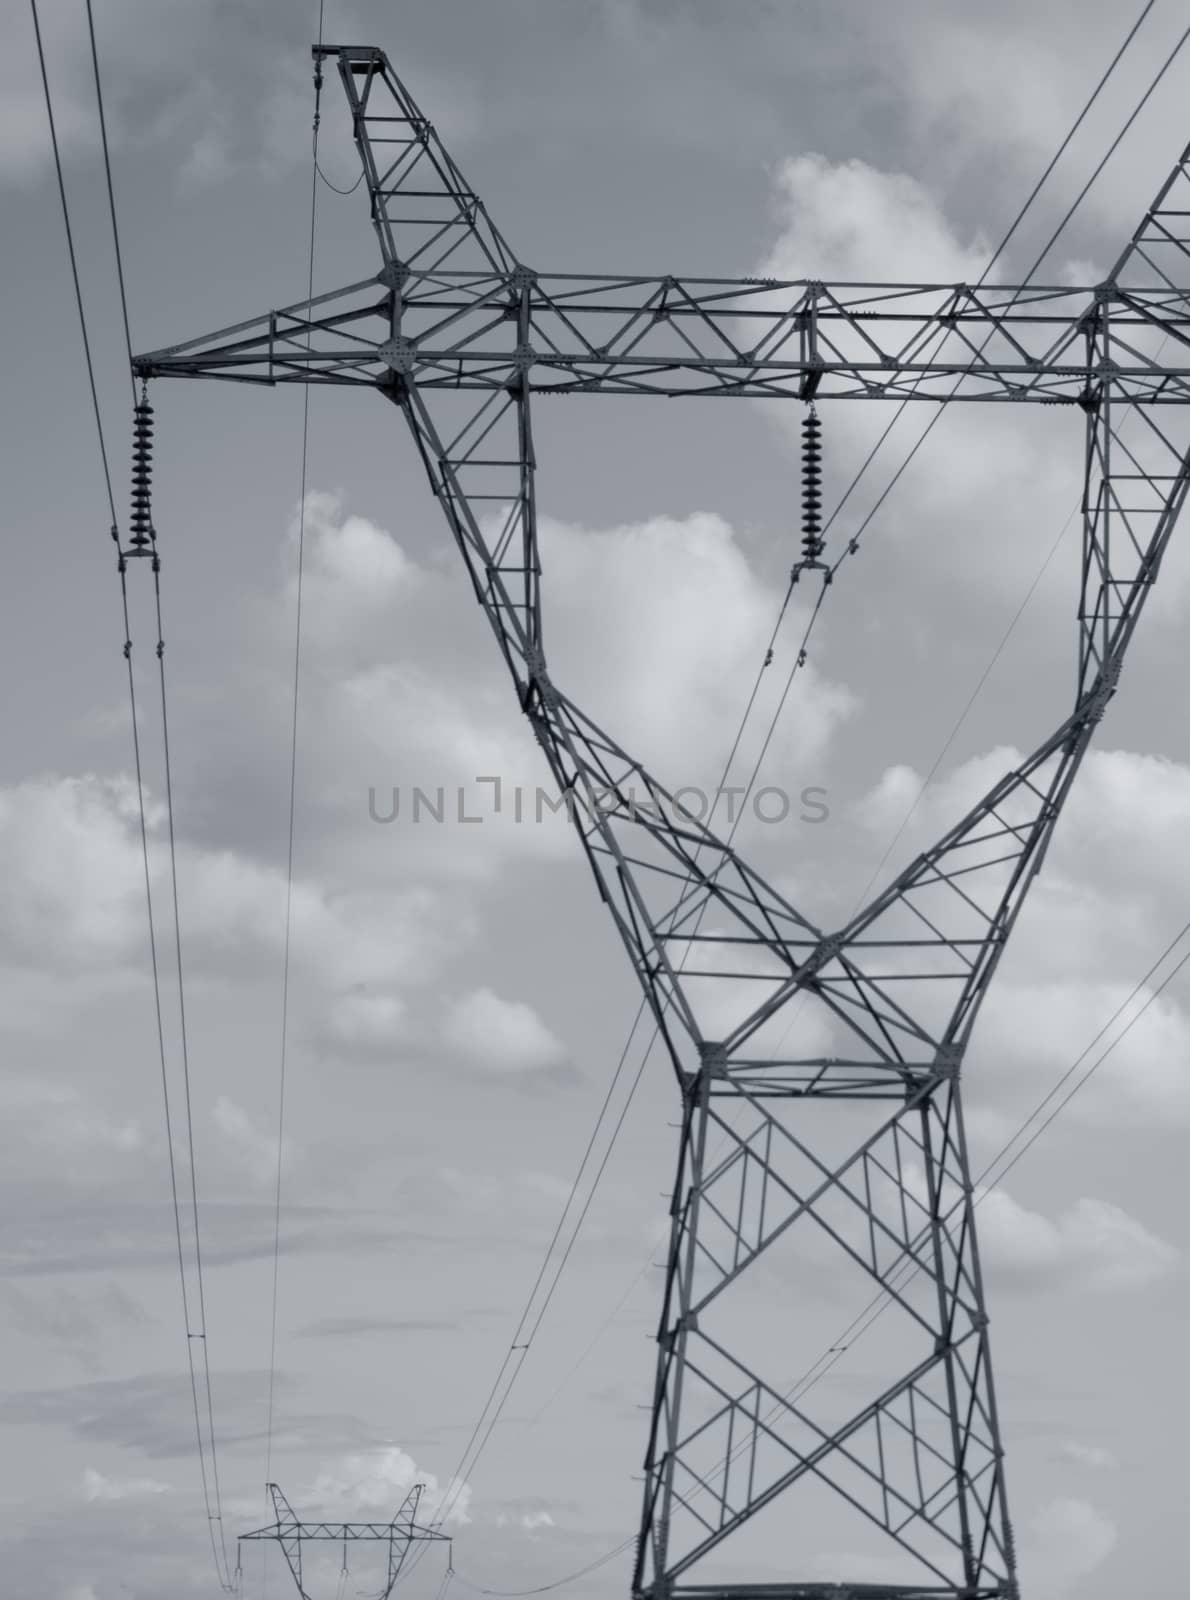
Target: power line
column 173, row 856
column 184, row 1039
column 210, row 1486
column 213, row 1516
column 297, row 656
column 558, row 1583
column 111, row 196
column 74, row 270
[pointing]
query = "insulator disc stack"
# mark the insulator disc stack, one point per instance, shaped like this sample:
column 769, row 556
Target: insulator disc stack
column 141, row 520
column 811, row 488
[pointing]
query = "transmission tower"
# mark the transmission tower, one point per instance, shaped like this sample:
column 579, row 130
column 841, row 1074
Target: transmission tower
column 866, row 1139
column 399, row 1534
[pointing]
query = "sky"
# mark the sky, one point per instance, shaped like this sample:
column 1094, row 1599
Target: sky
column 457, row 1000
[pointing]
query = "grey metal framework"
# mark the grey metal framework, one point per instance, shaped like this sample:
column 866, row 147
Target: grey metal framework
column 398, row 1534
column 461, row 336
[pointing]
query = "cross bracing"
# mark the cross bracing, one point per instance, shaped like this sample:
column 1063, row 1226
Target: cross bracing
column 461, row 336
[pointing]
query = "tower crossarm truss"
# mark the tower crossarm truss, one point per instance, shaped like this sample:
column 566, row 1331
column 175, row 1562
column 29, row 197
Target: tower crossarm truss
column 712, row 337
column 774, row 1028
column 291, row 1533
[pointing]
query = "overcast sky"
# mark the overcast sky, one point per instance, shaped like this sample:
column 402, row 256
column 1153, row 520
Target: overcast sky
column 458, row 999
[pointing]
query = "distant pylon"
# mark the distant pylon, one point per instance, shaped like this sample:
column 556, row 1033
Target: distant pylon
column 291, row 1533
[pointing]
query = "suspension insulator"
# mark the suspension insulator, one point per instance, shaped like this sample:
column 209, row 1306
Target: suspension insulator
column 812, row 544
column 140, row 521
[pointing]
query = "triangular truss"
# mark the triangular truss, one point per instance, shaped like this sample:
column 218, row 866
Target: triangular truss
column 459, row 334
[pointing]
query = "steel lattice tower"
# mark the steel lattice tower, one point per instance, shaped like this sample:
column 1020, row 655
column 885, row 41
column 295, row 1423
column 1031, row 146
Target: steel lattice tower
column 291, row 1533
column 461, row 337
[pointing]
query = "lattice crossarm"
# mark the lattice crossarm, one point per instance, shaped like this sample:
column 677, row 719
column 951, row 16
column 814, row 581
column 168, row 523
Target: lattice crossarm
column 449, row 329
column 335, row 338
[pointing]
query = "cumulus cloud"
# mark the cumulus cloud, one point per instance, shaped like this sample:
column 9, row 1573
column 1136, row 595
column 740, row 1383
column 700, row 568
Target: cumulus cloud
column 654, row 629
column 1141, row 1060
column 501, row 1036
column 97, row 1487
column 368, row 1021
column 847, row 220
column 356, row 578
column 656, row 634
column 1094, row 1244
column 70, row 852
column 379, row 1481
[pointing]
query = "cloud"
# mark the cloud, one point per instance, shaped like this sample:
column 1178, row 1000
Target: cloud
column 97, row 1487
column 501, row 1036
column 256, row 1152
column 847, row 220
column 1094, row 1245
column 379, row 1481
column 1065, row 1542
column 531, row 1193
column 41, row 1236
column 1094, row 1456
column 642, row 619
column 528, row 1521
column 356, row 1327
column 1036, row 1031
column 656, row 630
column 75, row 1319
column 71, row 855
column 155, row 85
column 368, row 1021
column 149, row 1412
column 56, row 1117
column 357, row 576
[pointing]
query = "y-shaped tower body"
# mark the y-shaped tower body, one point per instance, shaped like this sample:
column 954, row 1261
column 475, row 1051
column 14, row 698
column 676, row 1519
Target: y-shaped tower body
column 460, row 336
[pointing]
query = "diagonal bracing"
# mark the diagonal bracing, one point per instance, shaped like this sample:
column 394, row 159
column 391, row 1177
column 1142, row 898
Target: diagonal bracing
column 824, row 1068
